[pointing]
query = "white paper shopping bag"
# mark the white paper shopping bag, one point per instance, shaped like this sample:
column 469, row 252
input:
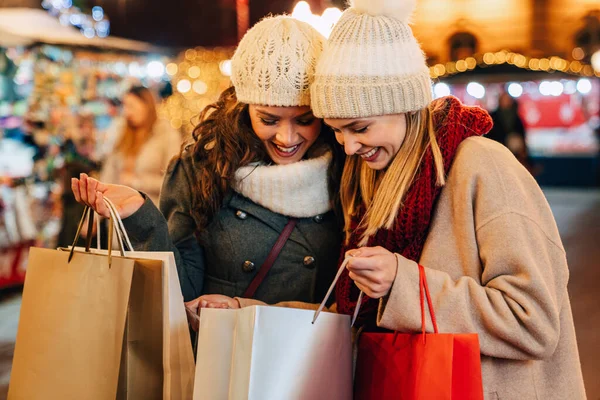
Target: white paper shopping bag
column 273, row 353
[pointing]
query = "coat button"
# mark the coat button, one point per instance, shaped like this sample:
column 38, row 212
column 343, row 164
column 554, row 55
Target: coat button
column 309, row 261
column 248, row 266
column 318, row 219
column 241, row 215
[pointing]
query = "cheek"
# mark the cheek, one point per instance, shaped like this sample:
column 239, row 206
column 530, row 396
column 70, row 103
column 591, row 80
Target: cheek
column 310, row 133
column 263, row 132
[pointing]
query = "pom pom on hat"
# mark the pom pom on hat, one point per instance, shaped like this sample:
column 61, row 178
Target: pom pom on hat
column 399, row 9
column 372, row 64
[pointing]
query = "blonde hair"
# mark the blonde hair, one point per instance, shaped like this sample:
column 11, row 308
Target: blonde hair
column 129, row 144
column 382, row 192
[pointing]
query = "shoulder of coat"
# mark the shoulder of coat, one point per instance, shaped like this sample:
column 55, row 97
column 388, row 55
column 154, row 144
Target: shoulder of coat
column 183, row 160
column 480, row 153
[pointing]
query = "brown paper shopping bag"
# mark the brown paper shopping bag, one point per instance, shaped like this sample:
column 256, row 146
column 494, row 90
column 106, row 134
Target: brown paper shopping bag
column 71, row 326
column 90, row 327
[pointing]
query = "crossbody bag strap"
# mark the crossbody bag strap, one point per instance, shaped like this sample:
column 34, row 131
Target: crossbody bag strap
column 273, row 254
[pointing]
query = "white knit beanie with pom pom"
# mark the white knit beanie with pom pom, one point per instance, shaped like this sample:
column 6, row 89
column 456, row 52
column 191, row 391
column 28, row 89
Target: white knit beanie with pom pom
column 372, row 64
column 275, row 62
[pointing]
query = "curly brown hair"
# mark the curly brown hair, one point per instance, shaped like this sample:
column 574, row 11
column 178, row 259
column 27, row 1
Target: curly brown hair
column 224, row 142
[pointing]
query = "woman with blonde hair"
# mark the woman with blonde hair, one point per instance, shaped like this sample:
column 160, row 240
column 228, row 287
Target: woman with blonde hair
column 421, row 186
column 144, row 145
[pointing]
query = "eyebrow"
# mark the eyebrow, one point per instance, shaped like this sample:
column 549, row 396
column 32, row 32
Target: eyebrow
column 266, row 114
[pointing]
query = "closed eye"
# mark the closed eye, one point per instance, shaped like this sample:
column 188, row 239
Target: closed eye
column 305, row 122
column 268, row 122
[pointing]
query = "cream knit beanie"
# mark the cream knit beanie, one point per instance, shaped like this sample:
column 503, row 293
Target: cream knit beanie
column 372, row 64
column 275, row 62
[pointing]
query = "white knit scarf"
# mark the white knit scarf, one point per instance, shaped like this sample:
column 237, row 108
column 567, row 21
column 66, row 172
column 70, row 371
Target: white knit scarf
column 295, row 190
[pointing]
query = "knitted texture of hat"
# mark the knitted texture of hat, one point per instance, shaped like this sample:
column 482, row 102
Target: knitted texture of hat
column 275, row 62
column 372, row 64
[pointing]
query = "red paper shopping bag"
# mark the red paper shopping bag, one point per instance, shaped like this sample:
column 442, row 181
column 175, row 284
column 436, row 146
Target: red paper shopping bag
column 421, row 366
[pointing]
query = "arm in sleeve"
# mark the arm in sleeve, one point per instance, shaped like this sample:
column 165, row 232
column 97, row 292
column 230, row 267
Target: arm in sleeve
column 515, row 305
column 172, row 229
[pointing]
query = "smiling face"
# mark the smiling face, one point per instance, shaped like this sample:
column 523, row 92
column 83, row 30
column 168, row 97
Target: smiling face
column 287, row 132
column 376, row 139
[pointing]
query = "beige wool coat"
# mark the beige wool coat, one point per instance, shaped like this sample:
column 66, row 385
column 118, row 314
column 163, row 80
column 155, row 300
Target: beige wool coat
column 495, row 266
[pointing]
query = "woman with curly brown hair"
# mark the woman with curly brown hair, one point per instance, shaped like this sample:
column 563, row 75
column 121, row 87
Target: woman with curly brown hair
column 260, row 160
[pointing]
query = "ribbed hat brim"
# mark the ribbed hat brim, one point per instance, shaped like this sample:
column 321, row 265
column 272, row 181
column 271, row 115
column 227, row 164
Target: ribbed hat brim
column 368, row 96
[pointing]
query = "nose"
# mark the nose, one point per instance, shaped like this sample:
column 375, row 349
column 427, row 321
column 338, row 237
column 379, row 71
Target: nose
column 286, row 134
column 351, row 145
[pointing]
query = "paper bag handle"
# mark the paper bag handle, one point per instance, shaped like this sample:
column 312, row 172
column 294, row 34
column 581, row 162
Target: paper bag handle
column 337, row 277
column 424, row 290
column 115, row 225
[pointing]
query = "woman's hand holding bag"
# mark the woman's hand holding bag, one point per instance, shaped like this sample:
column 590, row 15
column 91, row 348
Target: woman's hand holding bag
column 91, row 192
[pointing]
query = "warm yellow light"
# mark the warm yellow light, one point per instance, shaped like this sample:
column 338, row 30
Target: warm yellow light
column 461, row 66
column 190, row 54
column 440, row 69
column 194, row 72
column 534, row 64
column 176, row 123
column 596, row 61
column 500, row 57
column 200, row 87
column 302, row 12
column 184, row 86
column 323, row 23
column 328, row 19
column 544, row 64
column 451, row 67
column 183, row 67
column 578, row 53
column 225, row 67
column 172, row 69
column 588, row 70
column 471, row 62
column 488, row 58
column 520, row 61
column 576, row 66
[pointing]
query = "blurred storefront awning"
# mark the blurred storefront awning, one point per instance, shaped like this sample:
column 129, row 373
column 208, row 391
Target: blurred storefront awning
column 27, row 26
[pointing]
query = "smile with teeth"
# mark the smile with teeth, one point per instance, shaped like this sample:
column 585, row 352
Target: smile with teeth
column 371, row 153
column 286, row 149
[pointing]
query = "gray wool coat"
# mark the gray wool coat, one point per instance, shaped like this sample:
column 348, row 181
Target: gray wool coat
column 227, row 255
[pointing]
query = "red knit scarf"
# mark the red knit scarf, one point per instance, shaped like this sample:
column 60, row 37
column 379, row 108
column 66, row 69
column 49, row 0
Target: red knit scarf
column 456, row 123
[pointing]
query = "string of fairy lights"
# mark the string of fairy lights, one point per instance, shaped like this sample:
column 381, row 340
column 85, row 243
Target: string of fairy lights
column 551, row 64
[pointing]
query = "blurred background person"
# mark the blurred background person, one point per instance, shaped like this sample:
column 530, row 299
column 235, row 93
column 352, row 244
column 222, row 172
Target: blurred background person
column 509, row 129
column 144, row 148
column 108, row 128
column 78, row 154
